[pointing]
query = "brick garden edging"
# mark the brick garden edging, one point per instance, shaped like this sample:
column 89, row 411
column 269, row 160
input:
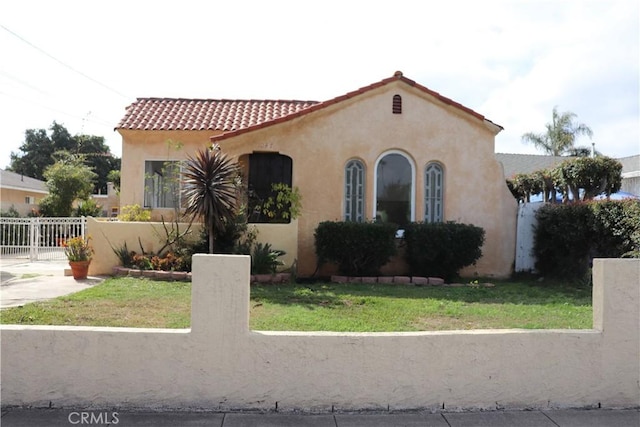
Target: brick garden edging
column 286, row 277
column 406, row 280
column 186, row 276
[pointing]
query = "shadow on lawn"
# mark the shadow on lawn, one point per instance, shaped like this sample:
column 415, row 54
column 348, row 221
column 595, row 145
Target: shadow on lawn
column 313, row 295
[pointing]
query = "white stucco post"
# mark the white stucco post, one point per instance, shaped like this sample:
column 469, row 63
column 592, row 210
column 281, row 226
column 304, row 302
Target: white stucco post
column 220, row 296
column 616, row 313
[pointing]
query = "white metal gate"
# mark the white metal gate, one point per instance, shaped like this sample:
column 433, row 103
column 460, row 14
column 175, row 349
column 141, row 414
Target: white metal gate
column 38, row 239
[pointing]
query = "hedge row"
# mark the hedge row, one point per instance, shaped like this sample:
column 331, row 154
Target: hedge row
column 568, row 237
column 361, row 249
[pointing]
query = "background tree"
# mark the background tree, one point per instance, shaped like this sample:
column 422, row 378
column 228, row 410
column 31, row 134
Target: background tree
column 67, row 180
column 560, row 136
column 211, row 189
column 37, row 153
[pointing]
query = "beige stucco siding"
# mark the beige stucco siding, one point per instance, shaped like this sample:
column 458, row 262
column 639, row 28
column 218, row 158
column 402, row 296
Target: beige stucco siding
column 140, row 146
column 363, row 127
column 17, row 199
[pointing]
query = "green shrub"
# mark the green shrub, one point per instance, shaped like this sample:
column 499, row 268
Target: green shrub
column 568, row 237
column 134, row 213
column 88, row 207
column 616, row 228
column 264, row 259
column 562, row 240
column 359, row 249
column 442, row 249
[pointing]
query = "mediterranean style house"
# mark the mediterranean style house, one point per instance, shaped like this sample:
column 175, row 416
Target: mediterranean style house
column 391, row 151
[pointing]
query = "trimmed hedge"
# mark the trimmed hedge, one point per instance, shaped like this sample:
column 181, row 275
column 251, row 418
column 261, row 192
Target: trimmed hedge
column 442, row 249
column 359, row 249
column 568, row 237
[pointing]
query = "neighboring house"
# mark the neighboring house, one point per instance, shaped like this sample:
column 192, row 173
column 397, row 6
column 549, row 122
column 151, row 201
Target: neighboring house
column 394, row 150
column 514, row 164
column 630, row 174
column 526, row 163
column 20, row 192
column 109, row 203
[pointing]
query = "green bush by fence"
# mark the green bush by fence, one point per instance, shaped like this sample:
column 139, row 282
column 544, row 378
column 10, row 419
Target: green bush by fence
column 442, row 249
column 359, row 249
column 568, row 237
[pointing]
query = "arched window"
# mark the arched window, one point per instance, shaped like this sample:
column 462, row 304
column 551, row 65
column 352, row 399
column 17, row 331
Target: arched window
column 354, row 191
column 266, row 169
column 433, row 193
column 395, row 189
column 397, row 104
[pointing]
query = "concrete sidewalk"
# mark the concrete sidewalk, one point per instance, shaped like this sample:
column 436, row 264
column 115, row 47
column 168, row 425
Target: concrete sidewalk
column 547, row 418
column 22, row 282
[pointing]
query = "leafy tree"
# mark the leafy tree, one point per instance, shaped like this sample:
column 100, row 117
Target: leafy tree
column 68, row 179
column 210, row 189
column 38, row 149
column 594, row 176
column 560, row 136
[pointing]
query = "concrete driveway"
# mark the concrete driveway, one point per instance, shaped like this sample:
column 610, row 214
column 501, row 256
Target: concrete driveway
column 22, row 282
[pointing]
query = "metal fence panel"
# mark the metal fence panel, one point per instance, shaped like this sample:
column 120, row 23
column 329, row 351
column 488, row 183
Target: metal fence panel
column 38, row 239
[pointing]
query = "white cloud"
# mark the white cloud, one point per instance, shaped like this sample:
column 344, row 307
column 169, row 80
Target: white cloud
column 511, row 61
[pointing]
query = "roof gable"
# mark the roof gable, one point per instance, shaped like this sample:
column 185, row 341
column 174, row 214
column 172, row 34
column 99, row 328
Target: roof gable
column 398, row 76
column 234, row 117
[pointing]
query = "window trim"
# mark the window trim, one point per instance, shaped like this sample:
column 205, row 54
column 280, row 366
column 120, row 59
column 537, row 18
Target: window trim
column 180, row 162
column 440, row 166
column 412, row 198
column 363, row 172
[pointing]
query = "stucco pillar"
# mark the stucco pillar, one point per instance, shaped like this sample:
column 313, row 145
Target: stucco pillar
column 616, row 312
column 220, row 295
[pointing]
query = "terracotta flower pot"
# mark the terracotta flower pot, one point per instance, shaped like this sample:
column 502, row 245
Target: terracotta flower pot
column 80, row 269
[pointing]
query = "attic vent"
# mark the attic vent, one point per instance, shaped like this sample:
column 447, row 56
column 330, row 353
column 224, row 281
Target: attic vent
column 397, row 104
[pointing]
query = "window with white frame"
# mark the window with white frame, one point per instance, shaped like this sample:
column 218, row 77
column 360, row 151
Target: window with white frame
column 395, row 189
column 433, row 193
column 161, row 184
column 354, row 191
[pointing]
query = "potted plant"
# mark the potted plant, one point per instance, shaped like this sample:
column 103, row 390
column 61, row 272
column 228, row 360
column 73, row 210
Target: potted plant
column 79, row 252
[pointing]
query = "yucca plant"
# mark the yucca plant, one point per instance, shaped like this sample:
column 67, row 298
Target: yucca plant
column 211, row 189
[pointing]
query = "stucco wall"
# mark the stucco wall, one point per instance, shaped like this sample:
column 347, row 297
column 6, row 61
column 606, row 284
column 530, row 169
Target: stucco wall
column 140, row 146
column 220, row 364
column 107, row 235
column 16, row 198
column 363, row 127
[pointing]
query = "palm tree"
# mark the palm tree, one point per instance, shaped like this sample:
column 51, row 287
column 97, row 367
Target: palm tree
column 560, row 136
column 210, row 189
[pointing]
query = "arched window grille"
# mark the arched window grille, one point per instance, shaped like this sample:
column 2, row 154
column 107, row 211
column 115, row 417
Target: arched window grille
column 354, row 191
column 433, row 193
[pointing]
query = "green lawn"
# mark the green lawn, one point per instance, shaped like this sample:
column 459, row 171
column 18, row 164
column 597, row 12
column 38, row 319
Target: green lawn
column 136, row 302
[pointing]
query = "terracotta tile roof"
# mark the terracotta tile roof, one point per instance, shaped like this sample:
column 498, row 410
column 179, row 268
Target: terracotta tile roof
column 205, row 114
column 233, row 117
column 398, row 76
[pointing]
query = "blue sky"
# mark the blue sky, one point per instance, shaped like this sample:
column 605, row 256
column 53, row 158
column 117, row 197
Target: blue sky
column 81, row 63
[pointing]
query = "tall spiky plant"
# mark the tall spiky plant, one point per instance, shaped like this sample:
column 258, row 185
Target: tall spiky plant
column 210, row 188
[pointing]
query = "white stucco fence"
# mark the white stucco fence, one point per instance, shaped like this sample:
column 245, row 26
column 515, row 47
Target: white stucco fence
column 220, row 364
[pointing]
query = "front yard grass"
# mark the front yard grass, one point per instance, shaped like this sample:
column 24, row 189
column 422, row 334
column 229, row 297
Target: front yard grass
column 136, row 302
